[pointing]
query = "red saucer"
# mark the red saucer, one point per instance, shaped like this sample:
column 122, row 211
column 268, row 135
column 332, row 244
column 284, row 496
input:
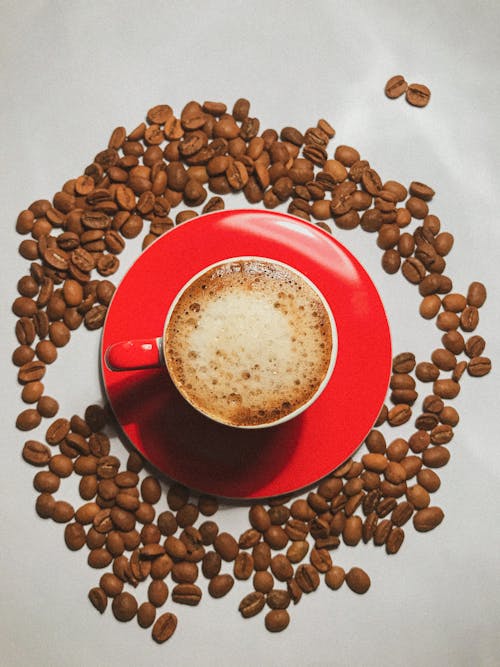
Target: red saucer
column 215, row 459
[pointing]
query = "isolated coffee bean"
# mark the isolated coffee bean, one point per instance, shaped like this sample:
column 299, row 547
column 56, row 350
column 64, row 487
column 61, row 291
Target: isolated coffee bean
column 243, row 566
column 357, row 580
column 418, row 95
column 395, row 87
column 428, row 518
column 394, row 540
column 98, row 599
column 164, row 627
column 277, row 620
column 476, row 294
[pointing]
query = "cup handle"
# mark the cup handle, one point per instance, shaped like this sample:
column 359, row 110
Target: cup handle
column 134, row 355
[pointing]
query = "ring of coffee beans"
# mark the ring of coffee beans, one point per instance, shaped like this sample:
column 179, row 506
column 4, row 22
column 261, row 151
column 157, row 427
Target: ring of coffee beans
column 141, row 177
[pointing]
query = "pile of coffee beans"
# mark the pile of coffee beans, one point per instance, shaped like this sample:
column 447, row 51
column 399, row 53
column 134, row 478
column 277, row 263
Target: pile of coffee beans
column 72, row 247
column 416, row 94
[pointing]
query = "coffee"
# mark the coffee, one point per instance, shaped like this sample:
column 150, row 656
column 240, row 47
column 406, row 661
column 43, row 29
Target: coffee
column 249, row 342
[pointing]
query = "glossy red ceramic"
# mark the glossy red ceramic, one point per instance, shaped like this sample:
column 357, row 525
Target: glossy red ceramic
column 224, row 461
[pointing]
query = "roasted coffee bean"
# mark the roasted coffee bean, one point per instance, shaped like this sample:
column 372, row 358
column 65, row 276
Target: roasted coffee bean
column 44, row 505
column 403, row 363
column 36, row 453
column 32, row 371
column 74, row 536
column 164, row 627
column 428, row 480
column 124, row 607
column 429, row 306
column 436, row 457
column 453, row 341
column 426, row 371
column 476, row 294
column 98, row 599
column 46, row 482
column 428, row 518
column 32, row 391
column 278, row 599
column 479, row 366
column 394, row 540
column 62, row 511
column 402, row 513
column 381, row 532
column 446, row 388
column 277, row 620
column 418, row 95
column 352, row 530
column 474, row 347
column 177, row 496
column 146, row 614
column 157, row 592
column 226, row 546
column 220, row 585
column 395, row 87
column 189, row 594
column 243, row 566
column 211, row 564
column 418, row 496
column 357, row 580
column 259, row 518
column 307, row 578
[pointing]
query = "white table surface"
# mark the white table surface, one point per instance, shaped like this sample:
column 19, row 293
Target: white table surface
column 72, row 71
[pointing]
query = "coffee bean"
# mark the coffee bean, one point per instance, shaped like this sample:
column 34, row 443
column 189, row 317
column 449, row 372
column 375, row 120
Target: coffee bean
column 395, row 87
column 124, row 607
column 479, row 366
column 418, row 95
column 184, row 572
column 278, row 599
column 32, row 371
column 437, row 457
column 74, row 536
column 226, row 546
column 428, row 518
column 189, row 594
column 307, row 578
column 357, row 580
column 220, row 585
column 36, row 453
column 394, row 541
column 428, row 480
column 476, row 294
column 98, row 599
column 28, row 419
column 259, row 518
column 243, row 566
column 403, row 363
column 146, row 614
column 62, row 511
column 277, row 620
column 46, row 482
column 446, row 388
column 157, row 592
column 164, row 627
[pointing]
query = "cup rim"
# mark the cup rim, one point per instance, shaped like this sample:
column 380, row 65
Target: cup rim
column 333, row 354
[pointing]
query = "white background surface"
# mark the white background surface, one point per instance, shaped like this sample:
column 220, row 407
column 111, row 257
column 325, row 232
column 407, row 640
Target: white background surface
column 72, row 71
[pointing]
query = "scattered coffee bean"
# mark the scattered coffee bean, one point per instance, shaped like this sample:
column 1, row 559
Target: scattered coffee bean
column 395, row 87
column 164, row 627
column 418, row 95
column 124, row 607
column 357, row 580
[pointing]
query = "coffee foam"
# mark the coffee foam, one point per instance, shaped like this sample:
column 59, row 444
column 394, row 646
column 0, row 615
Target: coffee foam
column 248, row 342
